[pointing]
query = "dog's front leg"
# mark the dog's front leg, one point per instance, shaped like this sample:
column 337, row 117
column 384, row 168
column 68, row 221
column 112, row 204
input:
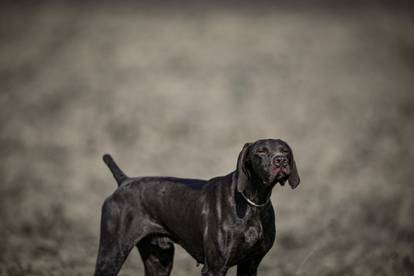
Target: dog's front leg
column 214, row 259
column 213, row 270
column 249, row 267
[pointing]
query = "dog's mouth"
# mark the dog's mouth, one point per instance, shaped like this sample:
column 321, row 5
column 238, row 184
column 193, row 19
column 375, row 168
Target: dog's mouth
column 280, row 172
column 278, row 175
column 274, row 174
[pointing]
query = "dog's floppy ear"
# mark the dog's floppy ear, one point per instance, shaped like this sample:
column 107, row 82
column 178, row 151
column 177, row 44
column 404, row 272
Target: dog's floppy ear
column 241, row 171
column 294, row 178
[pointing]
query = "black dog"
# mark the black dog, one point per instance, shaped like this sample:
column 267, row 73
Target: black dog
column 221, row 222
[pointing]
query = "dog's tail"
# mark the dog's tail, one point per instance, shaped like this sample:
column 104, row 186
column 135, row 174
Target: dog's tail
column 118, row 174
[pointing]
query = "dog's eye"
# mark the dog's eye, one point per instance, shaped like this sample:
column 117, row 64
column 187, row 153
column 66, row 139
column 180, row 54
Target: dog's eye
column 261, row 151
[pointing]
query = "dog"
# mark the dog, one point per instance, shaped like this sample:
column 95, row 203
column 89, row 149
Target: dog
column 222, row 222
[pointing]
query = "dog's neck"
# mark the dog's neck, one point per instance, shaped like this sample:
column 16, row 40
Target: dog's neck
column 257, row 192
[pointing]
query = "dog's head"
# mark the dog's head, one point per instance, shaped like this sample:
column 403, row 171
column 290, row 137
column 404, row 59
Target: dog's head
column 270, row 161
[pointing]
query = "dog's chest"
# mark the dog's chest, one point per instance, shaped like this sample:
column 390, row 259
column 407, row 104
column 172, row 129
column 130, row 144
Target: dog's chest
column 252, row 235
column 248, row 236
column 243, row 239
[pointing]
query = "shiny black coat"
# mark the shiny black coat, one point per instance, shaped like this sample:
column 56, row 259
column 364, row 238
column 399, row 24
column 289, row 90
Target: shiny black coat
column 210, row 219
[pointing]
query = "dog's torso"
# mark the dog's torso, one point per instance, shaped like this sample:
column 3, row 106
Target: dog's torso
column 209, row 217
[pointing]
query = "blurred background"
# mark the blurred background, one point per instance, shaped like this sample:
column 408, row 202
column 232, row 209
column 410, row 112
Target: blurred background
column 177, row 88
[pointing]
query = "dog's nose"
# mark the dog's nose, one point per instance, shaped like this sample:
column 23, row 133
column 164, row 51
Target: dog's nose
column 280, row 161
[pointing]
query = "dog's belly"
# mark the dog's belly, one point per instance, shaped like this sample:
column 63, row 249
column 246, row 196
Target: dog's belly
column 186, row 232
column 195, row 251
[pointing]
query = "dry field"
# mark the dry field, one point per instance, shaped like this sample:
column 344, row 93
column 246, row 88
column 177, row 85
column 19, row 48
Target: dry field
column 178, row 91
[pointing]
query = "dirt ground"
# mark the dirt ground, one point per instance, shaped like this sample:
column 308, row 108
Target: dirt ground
column 178, row 91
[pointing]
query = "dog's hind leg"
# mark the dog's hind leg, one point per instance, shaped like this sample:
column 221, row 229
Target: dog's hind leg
column 157, row 253
column 119, row 234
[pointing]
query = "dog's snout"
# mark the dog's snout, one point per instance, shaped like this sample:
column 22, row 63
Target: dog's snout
column 280, row 161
